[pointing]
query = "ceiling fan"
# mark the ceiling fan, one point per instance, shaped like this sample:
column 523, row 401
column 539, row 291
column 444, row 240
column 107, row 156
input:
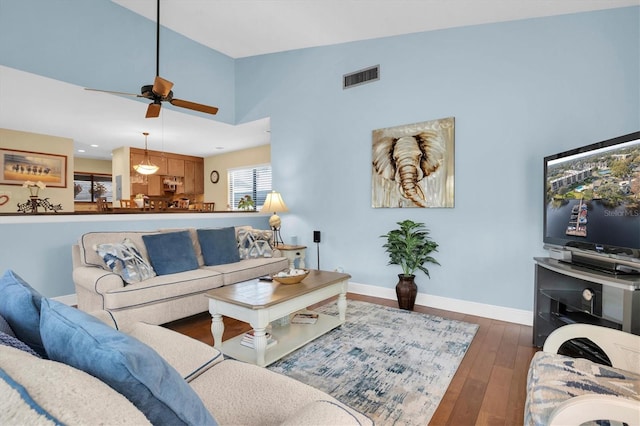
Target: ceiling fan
column 160, row 91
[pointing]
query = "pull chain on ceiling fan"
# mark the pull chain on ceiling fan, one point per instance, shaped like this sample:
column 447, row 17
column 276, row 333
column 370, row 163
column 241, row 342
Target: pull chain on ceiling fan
column 160, row 91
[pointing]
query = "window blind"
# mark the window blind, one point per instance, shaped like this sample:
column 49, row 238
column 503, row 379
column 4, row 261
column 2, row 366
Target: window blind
column 253, row 181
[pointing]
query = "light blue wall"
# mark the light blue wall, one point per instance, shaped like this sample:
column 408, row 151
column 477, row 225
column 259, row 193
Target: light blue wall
column 518, row 91
column 99, row 44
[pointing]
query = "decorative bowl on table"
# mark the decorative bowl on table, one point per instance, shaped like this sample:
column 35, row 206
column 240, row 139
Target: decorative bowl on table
column 292, row 276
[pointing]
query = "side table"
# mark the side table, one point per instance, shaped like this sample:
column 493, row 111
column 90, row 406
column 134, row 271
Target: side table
column 292, row 253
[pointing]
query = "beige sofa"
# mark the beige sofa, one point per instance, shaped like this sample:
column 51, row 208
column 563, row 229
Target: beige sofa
column 163, row 298
column 91, row 373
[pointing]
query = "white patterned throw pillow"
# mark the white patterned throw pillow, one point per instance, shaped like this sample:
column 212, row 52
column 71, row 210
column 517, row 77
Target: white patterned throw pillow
column 125, row 260
column 253, row 243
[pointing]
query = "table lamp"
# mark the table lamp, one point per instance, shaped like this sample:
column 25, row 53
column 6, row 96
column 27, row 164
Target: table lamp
column 275, row 204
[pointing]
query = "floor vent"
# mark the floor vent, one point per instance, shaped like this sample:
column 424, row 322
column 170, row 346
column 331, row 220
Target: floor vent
column 357, row 78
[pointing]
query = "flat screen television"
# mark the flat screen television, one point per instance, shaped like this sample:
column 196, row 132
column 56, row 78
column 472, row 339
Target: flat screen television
column 592, row 204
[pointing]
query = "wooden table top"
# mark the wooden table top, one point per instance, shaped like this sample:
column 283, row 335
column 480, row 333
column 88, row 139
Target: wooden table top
column 257, row 294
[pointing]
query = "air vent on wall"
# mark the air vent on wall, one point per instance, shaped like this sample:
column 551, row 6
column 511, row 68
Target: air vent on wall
column 357, row 78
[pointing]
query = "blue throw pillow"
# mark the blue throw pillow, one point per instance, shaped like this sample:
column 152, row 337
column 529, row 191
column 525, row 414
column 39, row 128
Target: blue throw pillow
column 171, row 252
column 20, row 306
column 219, row 246
column 124, row 363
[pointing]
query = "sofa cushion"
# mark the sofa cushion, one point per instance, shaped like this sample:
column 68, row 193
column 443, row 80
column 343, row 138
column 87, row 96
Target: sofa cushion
column 554, row 378
column 219, row 246
column 190, row 357
column 124, row 363
column 230, row 389
column 171, row 252
column 20, row 306
column 125, row 260
column 249, row 269
column 38, row 391
column 163, row 288
column 323, row 413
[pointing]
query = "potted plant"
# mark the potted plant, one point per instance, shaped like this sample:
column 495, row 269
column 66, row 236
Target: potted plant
column 410, row 247
column 246, row 203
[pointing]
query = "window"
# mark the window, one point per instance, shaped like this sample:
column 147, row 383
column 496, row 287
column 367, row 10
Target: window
column 253, row 181
column 87, row 187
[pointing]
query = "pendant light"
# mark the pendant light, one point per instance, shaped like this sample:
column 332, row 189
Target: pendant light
column 146, row 167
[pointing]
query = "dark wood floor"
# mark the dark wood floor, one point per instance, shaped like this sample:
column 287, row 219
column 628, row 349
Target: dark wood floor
column 489, row 386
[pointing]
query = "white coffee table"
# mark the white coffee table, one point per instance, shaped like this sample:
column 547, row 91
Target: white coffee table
column 261, row 302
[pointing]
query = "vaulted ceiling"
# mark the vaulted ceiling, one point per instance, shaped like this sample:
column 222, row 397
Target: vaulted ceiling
column 239, row 28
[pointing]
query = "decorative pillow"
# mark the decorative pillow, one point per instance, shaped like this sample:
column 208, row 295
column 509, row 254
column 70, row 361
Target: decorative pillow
column 219, row 246
column 20, row 306
column 171, row 252
column 254, row 243
column 21, row 408
column 5, row 327
column 12, row 341
column 125, row 260
column 124, row 363
column 36, row 391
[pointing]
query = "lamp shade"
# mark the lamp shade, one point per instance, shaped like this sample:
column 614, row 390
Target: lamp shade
column 146, row 167
column 274, row 203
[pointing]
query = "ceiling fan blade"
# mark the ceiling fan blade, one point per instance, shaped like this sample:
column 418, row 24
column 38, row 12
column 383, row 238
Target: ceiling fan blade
column 113, row 92
column 194, row 106
column 162, row 87
column 153, row 110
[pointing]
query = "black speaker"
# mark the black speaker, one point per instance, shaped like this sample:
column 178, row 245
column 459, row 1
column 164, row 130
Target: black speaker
column 316, row 236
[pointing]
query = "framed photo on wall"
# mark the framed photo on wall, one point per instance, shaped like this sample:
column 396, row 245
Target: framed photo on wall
column 21, row 166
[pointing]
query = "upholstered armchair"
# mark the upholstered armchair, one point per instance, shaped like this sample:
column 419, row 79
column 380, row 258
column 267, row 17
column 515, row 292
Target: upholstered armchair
column 565, row 391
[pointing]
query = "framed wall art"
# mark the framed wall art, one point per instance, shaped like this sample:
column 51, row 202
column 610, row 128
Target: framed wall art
column 413, row 165
column 21, row 166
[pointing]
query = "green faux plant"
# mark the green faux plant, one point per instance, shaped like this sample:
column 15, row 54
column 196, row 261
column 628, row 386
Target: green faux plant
column 410, row 247
column 246, row 203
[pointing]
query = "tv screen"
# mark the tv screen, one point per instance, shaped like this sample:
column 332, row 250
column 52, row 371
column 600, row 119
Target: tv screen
column 592, row 198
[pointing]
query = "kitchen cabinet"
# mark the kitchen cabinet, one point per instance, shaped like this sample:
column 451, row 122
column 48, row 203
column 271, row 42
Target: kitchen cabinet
column 175, row 167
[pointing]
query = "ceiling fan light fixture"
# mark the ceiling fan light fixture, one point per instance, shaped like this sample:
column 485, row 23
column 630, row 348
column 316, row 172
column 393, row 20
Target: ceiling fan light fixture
column 146, row 167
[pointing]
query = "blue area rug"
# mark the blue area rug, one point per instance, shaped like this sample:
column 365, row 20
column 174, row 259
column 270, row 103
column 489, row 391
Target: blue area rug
column 392, row 365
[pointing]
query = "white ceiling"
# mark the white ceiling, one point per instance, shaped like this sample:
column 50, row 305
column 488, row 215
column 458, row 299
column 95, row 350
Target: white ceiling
column 239, row 28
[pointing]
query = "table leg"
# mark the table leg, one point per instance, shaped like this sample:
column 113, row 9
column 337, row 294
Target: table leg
column 260, row 345
column 301, row 261
column 217, row 329
column 342, row 306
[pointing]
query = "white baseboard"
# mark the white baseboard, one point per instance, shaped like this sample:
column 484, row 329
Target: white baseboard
column 68, row 299
column 518, row 316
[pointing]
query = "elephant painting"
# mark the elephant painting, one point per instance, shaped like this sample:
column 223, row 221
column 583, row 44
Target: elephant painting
column 412, row 165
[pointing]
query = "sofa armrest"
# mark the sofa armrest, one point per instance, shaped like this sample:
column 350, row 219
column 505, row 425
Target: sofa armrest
column 326, row 413
column 623, row 349
column 96, row 279
column 190, row 357
column 584, row 408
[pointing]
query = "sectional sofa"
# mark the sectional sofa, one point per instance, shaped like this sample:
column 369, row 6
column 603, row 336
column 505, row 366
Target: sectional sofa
column 161, row 276
column 60, row 365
